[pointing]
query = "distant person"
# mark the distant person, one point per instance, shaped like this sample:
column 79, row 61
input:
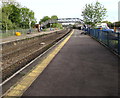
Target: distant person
column 39, row 27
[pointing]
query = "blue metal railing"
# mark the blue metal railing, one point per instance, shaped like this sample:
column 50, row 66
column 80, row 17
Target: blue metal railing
column 109, row 38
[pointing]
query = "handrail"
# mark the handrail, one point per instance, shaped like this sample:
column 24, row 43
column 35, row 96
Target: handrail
column 108, row 38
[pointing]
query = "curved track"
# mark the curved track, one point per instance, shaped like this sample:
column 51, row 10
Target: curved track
column 18, row 55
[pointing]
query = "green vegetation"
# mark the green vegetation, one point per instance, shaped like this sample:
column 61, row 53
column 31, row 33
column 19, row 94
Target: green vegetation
column 45, row 18
column 53, row 25
column 14, row 16
column 93, row 13
column 117, row 24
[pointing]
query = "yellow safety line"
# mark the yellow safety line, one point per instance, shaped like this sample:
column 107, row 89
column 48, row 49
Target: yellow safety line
column 20, row 87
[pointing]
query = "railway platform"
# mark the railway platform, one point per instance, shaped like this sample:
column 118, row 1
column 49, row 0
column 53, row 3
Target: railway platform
column 79, row 66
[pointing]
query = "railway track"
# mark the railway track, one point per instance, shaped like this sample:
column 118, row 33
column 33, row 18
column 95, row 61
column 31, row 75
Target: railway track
column 16, row 57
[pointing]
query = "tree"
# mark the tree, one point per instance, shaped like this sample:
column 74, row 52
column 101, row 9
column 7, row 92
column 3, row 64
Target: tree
column 6, row 23
column 45, row 18
column 6, row 11
column 110, row 24
column 54, row 25
column 14, row 16
column 93, row 13
column 0, row 18
column 54, row 17
column 27, row 18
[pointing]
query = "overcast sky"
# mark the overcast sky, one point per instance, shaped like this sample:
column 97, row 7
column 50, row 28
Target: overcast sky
column 68, row 8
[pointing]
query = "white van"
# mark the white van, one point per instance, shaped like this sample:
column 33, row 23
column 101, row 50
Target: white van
column 102, row 25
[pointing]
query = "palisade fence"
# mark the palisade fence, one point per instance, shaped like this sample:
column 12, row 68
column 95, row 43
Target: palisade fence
column 4, row 33
column 109, row 38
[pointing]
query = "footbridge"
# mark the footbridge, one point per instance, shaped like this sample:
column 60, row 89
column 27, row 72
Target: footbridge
column 63, row 20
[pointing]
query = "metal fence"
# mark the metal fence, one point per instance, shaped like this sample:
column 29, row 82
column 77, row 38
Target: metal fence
column 109, row 38
column 7, row 33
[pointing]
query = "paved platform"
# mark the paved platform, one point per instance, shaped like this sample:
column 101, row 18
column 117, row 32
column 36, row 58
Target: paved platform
column 83, row 67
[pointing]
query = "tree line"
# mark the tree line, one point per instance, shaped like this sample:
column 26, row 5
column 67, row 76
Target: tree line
column 14, row 16
column 96, row 13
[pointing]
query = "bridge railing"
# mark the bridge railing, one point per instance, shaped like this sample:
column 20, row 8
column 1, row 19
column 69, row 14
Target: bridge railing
column 62, row 20
column 108, row 38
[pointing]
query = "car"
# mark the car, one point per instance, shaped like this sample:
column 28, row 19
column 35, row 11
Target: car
column 103, row 27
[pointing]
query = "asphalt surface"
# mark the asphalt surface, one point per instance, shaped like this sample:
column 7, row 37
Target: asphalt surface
column 83, row 67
